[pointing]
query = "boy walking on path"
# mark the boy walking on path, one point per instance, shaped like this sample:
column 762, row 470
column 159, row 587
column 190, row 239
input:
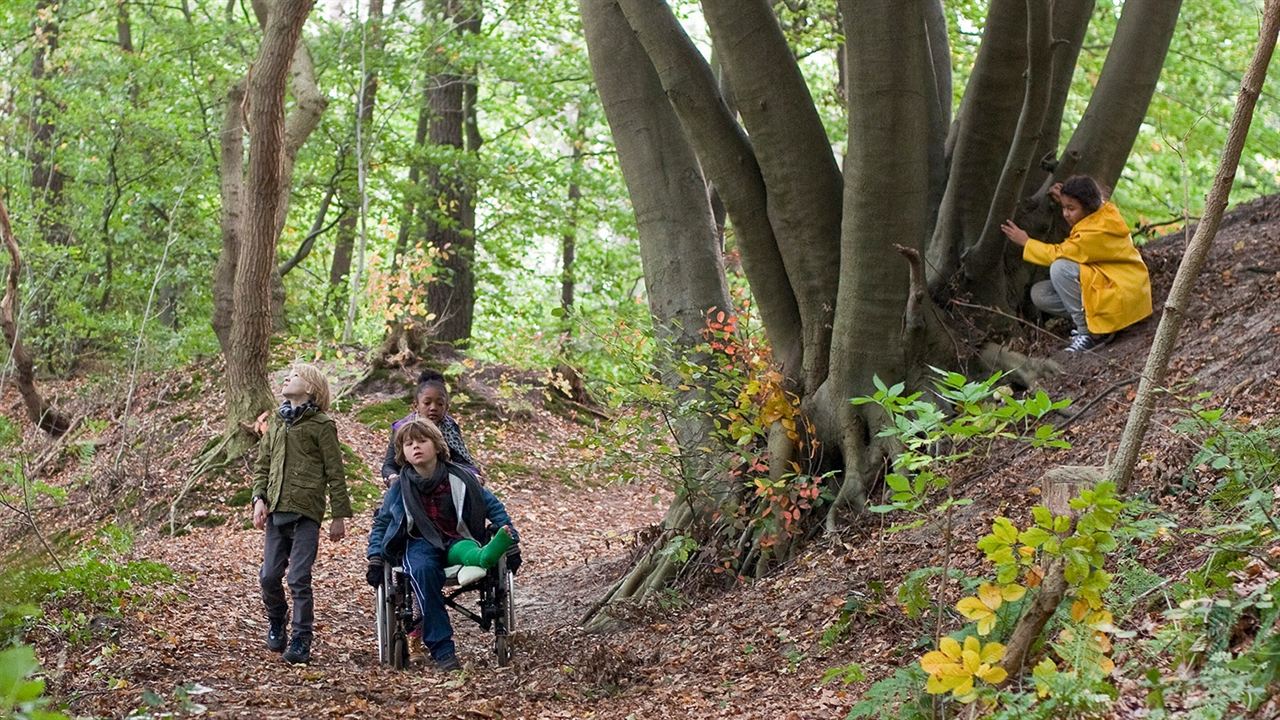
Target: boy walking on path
column 299, row 459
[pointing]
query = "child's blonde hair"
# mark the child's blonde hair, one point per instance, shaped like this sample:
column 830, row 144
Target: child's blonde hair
column 420, row 429
column 317, row 384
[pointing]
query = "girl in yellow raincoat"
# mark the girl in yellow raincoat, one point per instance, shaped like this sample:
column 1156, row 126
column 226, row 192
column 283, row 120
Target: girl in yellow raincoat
column 1096, row 276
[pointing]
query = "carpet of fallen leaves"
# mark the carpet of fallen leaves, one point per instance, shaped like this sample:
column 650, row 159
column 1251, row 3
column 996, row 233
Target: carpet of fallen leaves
column 751, row 650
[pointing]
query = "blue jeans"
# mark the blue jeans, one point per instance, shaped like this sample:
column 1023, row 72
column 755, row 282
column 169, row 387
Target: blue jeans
column 425, row 565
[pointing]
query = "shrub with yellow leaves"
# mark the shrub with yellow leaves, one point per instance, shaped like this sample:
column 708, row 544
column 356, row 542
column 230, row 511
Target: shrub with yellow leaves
column 954, row 668
column 982, row 609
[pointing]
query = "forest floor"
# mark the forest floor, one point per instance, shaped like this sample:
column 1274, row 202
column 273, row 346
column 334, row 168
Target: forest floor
column 752, row 650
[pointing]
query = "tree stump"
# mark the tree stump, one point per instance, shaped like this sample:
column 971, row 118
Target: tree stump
column 1058, row 485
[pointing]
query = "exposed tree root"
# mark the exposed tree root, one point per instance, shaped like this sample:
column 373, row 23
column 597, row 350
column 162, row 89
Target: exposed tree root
column 1026, row 372
column 220, row 453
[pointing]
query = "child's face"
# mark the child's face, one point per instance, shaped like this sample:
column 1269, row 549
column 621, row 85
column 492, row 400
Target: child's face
column 1072, row 211
column 294, row 386
column 432, row 404
column 417, row 452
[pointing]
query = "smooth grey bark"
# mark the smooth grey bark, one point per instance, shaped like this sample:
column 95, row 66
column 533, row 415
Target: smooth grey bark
column 796, row 161
column 727, row 158
column 886, row 201
column 986, row 123
column 984, row 263
column 1070, row 22
column 684, row 275
column 1176, row 306
column 231, row 174
column 935, row 23
column 1119, row 103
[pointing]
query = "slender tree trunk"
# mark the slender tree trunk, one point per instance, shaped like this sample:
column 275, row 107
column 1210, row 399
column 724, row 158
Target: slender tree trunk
column 47, row 179
column 340, row 268
column 726, row 155
column 344, row 284
column 984, row 264
column 451, row 298
column 1176, row 306
column 1105, row 135
column 43, row 414
column 987, row 121
column 251, row 327
column 569, row 239
column 795, row 160
column 231, row 171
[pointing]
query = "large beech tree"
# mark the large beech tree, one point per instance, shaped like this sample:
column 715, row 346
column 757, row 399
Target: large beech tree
column 839, row 252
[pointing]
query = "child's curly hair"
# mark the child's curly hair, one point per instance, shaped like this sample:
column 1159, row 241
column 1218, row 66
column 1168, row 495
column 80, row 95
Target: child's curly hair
column 420, row 429
column 317, row 384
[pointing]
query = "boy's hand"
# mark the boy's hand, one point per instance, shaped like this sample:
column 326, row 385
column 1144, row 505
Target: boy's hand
column 337, row 529
column 390, row 480
column 259, row 513
column 1016, row 235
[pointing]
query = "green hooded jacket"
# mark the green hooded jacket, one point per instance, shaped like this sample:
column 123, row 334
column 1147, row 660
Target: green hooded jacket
column 295, row 464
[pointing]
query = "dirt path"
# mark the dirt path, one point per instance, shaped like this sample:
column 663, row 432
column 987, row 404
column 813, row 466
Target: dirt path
column 574, row 539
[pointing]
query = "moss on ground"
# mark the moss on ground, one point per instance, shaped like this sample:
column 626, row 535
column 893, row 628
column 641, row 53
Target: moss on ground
column 379, row 416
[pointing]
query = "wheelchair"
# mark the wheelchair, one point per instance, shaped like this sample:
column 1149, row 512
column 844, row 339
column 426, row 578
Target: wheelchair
column 493, row 608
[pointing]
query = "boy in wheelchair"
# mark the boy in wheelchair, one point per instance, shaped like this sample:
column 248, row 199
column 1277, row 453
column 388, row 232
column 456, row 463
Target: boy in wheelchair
column 432, row 517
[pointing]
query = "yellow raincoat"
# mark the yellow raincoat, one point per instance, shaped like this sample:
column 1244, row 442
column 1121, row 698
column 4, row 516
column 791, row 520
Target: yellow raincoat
column 1114, row 283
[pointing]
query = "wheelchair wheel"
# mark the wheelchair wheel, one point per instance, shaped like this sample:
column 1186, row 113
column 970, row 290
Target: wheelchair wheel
column 383, row 619
column 400, row 652
column 505, row 624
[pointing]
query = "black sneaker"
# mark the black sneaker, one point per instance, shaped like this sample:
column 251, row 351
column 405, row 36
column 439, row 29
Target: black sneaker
column 1083, row 342
column 275, row 634
column 448, row 664
column 299, row 651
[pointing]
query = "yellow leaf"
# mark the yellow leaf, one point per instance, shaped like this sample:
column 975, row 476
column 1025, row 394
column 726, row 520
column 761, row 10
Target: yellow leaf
column 950, row 648
column 992, row 652
column 973, row 608
column 1079, row 609
column 987, row 624
column 990, row 595
column 1012, row 592
column 933, row 661
column 994, row 675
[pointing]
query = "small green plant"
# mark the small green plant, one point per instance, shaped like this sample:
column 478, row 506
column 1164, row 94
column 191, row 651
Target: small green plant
column 847, row 674
column 967, row 418
column 98, row 581
column 21, row 697
column 900, row 696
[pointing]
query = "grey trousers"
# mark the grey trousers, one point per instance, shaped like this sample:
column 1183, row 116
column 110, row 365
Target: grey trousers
column 292, row 546
column 1060, row 294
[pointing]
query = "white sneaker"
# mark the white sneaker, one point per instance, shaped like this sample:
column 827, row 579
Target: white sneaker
column 470, row 573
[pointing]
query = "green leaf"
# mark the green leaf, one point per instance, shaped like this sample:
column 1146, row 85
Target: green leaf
column 1035, row 536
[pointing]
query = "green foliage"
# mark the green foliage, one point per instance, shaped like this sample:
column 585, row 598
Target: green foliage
column 847, row 674
column 22, row 698
column 914, row 594
column 968, row 417
column 898, row 697
column 97, row 581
